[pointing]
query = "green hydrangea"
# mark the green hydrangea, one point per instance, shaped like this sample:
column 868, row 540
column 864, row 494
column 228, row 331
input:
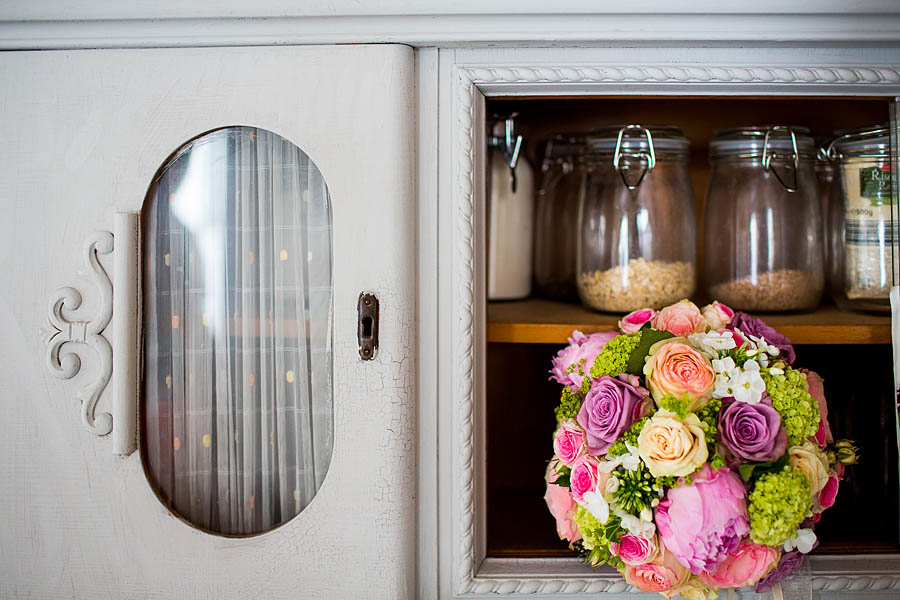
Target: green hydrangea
column 613, row 359
column 791, row 398
column 680, row 406
column 777, row 505
column 597, row 536
column 569, row 404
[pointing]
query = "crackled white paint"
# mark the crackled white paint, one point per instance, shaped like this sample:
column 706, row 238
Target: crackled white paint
column 83, row 133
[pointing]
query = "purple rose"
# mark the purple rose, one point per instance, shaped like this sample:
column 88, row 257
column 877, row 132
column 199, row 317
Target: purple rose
column 609, row 407
column 787, row 564
column 752, row 432
column 756, row 327
column 702, row 523
column 572, row 362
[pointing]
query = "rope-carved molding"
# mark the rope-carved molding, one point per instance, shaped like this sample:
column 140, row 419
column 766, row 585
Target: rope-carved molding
column 467, row 560
column 60, row 331
column 692, row 74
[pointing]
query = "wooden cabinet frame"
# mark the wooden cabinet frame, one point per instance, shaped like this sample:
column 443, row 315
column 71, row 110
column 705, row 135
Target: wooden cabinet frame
column 453, row 399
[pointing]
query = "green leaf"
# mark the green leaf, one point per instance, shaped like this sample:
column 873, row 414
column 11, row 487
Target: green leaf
column 753, row 471
column 648, row 338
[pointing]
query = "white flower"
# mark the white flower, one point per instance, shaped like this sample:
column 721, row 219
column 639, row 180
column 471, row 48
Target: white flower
column 646, row 515
column 803, row 540
column 635, row 525
column 612, row 486
column 725, row 370
column 748, row 386
column 630, row 461
column 712, row 342
column 596, row 505
column 776, row 371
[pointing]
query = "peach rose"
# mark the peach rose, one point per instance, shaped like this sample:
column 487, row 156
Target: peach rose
column 746, row 565
column 810, row 461
column 662, row 574
column 681, row 318
column 674, row 367
column 672, row 447
column 562, row 506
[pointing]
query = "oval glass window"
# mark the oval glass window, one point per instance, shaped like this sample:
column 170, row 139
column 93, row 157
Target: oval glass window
column 237, row 426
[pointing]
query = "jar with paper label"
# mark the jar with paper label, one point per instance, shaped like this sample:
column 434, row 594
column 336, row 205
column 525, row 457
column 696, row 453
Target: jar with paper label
column 866, row 221
column 637, row 224
column 763, row 225
column 556, row 216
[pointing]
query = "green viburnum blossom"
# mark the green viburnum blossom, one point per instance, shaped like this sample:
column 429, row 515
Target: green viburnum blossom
column 596, row 536
column 569, row 404
column 709, row 419
column 613, row 359
column 777, row 505
column 791, row 398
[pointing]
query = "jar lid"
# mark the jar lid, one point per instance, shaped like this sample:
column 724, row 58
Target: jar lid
column 870, row 141
column 750, row 142
column 667, row 140
column 564, row 145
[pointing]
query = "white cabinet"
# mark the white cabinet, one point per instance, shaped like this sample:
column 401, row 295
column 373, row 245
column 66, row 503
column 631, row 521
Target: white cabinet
column 84, row 133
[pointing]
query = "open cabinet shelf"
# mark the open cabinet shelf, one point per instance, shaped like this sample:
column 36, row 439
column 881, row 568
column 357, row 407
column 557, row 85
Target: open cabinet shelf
column 539, row 321
column 523, row 335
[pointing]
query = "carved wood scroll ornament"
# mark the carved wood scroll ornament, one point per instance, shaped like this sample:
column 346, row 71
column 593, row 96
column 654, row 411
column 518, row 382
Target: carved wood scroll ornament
column 59, row 331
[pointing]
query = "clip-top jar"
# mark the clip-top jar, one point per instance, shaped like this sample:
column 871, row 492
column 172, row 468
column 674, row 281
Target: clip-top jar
column 763, row 227
column 637, row 224
column 863, row 222
column 556, row 216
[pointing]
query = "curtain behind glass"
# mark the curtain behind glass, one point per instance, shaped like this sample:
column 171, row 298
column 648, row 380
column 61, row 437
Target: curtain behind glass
column 237, row 405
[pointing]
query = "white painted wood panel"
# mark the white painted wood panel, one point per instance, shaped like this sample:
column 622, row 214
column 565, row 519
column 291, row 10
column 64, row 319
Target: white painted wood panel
column 83, row 134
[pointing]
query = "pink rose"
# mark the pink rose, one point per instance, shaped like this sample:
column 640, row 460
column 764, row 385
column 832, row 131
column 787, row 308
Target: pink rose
column 576, row 359
column 568, row 443
column 702, row 523
column 633, row 321
column 829, row 493
column 634, row 549
column 681, row 318
column 674, row 367
column 746, row 565
column 661, row 574
column 562, row 506
column 717, row 315
column 823, row 436
column 586, row 477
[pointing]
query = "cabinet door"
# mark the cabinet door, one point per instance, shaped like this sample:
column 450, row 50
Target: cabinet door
column 84, row 134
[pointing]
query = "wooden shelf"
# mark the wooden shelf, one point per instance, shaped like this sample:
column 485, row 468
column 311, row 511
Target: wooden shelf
column 537, row 321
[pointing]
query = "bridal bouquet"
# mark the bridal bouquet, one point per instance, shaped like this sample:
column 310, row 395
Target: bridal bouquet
column 689, row 453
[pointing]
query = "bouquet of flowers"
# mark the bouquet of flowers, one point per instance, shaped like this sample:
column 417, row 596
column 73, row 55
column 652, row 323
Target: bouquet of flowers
column 689, row 453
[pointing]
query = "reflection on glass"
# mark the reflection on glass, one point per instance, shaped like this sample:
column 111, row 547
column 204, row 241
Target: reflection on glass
column 237, row 404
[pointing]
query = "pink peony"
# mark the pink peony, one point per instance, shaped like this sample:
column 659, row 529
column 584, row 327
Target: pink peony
column 829, row 493
column 634, row 549
column 586, row 477
column 823, row 436
column 661, row 574
column 702, row 523
column 571, row 363
column 633, row 321
column 681, row 319
column 568, row 443
column 562, row 506
column 717, row 315
column 744, row 566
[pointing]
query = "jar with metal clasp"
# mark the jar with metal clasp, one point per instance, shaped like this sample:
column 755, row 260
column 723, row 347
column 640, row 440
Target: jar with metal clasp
column 763, row 225
column 637, row 224
column 863, row 220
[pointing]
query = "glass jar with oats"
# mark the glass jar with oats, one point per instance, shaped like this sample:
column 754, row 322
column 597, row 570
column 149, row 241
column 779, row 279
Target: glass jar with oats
column 864, row 220
column 763, row 232
column 637, row 224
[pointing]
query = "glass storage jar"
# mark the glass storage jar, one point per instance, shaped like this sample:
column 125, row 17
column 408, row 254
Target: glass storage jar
column 636, row 220
column 556, row 216
column 763, row 227
column 863, row 222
